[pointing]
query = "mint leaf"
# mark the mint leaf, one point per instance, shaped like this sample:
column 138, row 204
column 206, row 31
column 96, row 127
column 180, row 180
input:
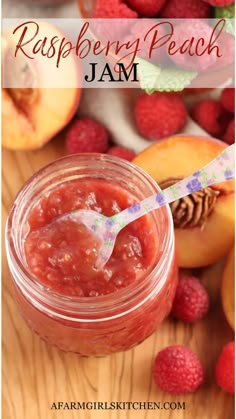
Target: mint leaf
column 225, row 12
column 154, row 78
column 230, row 27
column 148, row 73
column 173, row 80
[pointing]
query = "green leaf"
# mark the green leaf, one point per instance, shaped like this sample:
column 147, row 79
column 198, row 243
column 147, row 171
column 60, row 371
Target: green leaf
column 173, row 80
column 153, row 78
column 148, row 73
column 225, row 12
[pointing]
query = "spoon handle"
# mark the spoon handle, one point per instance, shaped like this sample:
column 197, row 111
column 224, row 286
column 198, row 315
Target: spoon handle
column 218, row 170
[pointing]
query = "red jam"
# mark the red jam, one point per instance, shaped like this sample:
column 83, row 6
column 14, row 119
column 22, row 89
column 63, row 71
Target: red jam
column 61, row 253
column 57, row 291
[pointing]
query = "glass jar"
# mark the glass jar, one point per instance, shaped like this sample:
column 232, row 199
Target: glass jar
column 92, row 325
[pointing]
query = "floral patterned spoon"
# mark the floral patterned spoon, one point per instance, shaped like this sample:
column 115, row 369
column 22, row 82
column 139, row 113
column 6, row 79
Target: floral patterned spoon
column 106, row 229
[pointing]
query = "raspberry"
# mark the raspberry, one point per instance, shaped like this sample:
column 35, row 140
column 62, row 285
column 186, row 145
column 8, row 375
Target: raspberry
column 229, row 136
column 86, row 136
column 140, row 29
column 113, row 9
column 228, row 99
column 147, row 8
column 186, row 9
column 227, row 47
column 159, row 115
column 122, row 152
column 211, row 116
column 224, row 369
column 190, row 60
column 219, row 3
column 191, row 301
column 177, row 370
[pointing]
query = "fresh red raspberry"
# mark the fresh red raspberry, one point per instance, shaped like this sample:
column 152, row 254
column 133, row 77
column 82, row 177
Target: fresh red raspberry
column 122, row 152
column 186, row 9
column 113, row 9
column 224, row 370
column 86, row 136
column 228, row 99
column 191, row 58
column 142, row 29
column 177, row 370
column 229, row 136
column 226, row 43
column 219, row 3
column 159, row 115
column 191, row 301
column 147, row 8
column 107, row 10
column 211, row 116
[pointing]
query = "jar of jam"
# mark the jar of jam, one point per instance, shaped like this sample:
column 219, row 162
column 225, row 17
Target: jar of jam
column 58, row 292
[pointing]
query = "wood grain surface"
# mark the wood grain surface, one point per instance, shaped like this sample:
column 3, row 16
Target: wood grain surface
column 36, row 375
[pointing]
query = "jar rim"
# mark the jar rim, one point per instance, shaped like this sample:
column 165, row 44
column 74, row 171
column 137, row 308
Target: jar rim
column 73, row 302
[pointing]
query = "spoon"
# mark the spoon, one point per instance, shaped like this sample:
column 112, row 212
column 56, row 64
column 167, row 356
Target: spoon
column 106, row 228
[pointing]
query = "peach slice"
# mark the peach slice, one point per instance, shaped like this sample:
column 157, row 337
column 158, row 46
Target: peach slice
column 202, row 237
column 227, row 288
column 32, row 115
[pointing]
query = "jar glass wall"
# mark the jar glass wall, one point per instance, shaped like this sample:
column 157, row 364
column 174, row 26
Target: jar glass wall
column 92, row 325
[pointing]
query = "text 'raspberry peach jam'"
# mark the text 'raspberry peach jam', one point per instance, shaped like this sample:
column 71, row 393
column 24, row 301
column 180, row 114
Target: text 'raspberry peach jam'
column 58, row 292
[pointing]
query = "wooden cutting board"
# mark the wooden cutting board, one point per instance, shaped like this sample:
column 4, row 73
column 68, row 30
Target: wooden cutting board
column 36, row 375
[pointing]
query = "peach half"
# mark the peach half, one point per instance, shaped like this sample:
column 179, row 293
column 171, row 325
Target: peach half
column 204, row 221
column 227, row 288
column 36, row 112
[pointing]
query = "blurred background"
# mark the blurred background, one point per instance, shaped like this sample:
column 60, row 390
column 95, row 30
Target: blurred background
column 14, row 8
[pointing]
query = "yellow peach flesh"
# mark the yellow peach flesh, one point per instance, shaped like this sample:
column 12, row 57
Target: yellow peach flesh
column 180, row 156
column 30, row 125
column 227, row 288
column 46, row 117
